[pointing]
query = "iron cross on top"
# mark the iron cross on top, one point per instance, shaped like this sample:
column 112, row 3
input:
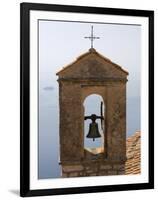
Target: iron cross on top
column 92, row 37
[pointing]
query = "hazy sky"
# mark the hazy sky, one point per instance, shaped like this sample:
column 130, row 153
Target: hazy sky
column 59, row 44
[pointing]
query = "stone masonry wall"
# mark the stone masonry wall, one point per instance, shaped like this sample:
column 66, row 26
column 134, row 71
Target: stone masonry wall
column 92, row 169
column 71, row 118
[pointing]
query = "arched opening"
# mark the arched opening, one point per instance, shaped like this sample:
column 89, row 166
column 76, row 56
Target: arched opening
column 92, row 106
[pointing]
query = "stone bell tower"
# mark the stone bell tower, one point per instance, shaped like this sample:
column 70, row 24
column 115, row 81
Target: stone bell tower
column 92, row 73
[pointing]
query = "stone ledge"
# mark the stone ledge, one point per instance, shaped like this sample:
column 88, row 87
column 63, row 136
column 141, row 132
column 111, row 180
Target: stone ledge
column 99, row 80
column 91, row 162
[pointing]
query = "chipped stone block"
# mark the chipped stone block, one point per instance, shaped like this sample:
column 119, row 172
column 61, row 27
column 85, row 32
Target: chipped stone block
column 102, row 167
column 72, row 168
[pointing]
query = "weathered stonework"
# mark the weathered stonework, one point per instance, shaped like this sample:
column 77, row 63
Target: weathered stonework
column 90, row 74
column 97, row 168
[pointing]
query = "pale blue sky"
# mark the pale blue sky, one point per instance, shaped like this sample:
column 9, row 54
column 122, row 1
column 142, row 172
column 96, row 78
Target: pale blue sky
column 59, row 44
column 63, row 42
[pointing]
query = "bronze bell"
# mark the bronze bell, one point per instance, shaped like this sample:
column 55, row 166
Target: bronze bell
column 93, row 131
column 93, row 127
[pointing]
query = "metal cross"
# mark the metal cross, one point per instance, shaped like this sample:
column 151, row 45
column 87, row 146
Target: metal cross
column 92, row 37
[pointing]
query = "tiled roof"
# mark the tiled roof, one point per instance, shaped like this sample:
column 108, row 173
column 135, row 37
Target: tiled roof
column 133, row 163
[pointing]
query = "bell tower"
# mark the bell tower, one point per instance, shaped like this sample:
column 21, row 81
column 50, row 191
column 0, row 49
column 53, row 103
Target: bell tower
column 92, row 73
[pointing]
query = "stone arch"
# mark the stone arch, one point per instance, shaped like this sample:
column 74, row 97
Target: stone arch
column 89, row 90
column 89, row 110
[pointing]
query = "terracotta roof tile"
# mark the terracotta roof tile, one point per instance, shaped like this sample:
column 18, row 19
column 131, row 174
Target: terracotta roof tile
column 133, row 162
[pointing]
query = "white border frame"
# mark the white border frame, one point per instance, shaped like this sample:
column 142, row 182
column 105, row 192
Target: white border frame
column 35, row 183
